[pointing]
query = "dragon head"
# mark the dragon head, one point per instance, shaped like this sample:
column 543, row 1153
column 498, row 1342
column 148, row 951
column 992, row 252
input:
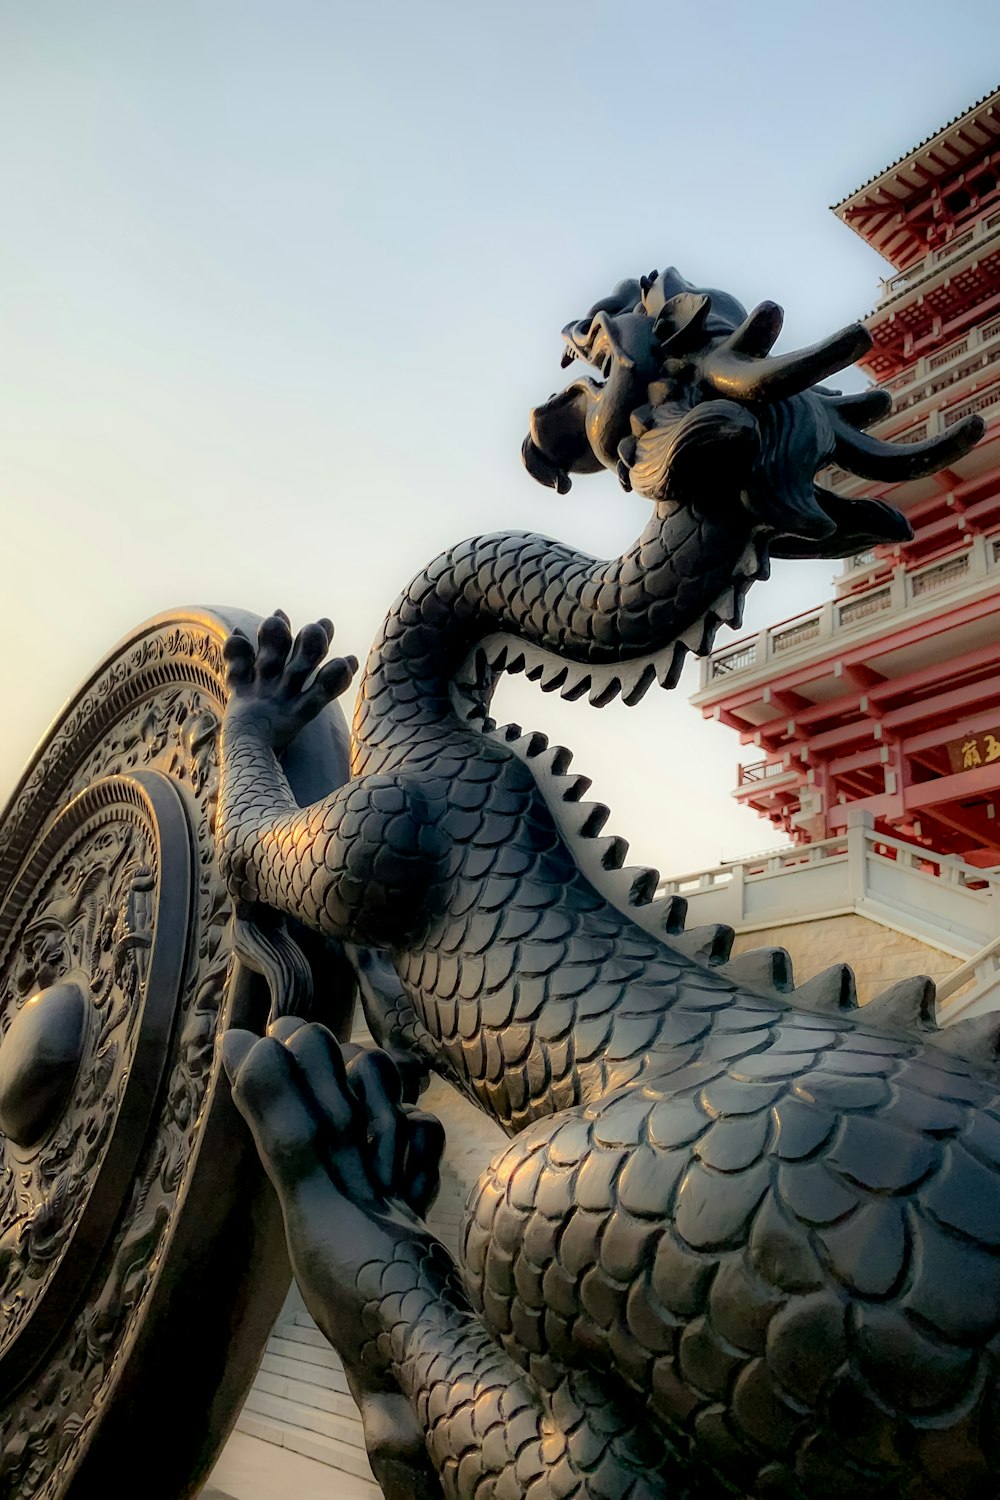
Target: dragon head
column 693, row 409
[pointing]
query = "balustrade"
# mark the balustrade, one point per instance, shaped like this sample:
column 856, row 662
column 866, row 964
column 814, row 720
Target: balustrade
column 942, row 364
column 762, row 770
column 863, row 606
column 951, row 903
column 975, row 563
column 931, row 264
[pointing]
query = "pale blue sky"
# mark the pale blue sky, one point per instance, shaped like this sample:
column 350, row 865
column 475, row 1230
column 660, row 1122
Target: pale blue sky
column 280, row 281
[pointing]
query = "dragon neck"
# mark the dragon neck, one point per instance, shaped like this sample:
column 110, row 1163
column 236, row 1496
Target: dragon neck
column 570, row 619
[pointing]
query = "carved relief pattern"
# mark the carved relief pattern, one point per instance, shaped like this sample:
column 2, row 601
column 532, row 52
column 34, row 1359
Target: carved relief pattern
column 88, row 918
column 115, row 725
column 154, row 707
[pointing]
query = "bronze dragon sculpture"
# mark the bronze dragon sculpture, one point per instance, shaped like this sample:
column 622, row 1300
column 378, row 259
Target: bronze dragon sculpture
column 746, row 1239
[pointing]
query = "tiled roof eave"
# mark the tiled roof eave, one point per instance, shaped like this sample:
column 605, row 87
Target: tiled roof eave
column 992, row 96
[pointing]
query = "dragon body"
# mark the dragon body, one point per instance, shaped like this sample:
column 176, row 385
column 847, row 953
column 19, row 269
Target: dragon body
column 757, row 1228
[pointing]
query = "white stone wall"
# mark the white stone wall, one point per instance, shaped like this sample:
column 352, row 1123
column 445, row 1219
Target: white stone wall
column 879, row 955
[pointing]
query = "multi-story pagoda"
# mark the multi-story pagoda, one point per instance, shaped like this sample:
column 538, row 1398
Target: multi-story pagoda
column 886, row 699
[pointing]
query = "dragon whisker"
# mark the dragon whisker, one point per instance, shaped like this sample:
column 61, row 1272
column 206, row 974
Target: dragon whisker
column 863, row 408
column 870, row 458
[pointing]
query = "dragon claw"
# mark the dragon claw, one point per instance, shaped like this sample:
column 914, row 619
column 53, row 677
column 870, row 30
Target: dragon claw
column 283, row 683
column 296, row 1085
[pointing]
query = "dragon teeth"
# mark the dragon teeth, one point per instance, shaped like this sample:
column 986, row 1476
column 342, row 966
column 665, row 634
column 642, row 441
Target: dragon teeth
column 674, row 665
column 725, row 607
column 531, row 744
column 829, row 993
column 601, row 696
column 663, row 916
column 711, row 944
column 976, row 1040
column 595, row 815
column 712, row 624
column 638, row 690
column 575, row 688
column 699, row 637
column 671, row 913
column 642, row 881
column 611, row 852
column 767, row 970
column 906, row 1006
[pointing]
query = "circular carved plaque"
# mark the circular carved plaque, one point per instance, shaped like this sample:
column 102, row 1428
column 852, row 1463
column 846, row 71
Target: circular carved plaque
column 92, row 959
column 142, row 1257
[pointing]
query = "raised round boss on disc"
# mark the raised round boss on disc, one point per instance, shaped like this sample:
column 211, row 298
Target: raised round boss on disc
column 142, row 1257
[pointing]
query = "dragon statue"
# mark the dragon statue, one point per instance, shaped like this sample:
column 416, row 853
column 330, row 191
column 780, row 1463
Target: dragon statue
column 746, row 1238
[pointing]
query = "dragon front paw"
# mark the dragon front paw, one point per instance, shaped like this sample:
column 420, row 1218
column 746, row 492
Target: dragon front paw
column 331, row 1114
column 354, row 1168
column 282, row 683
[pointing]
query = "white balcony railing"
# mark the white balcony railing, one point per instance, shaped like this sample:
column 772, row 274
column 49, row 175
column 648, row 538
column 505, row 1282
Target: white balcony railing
column 905, row 281
column 762, row 770
column 952, row 904
column 932, row 373
column 818, row 628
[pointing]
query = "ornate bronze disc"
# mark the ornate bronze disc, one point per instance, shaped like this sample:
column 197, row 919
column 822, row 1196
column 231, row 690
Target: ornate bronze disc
column 142, row 1257
column 91, row 967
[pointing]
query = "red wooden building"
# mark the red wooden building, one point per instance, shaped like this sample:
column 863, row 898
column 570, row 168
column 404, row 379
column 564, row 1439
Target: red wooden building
column 887, row 697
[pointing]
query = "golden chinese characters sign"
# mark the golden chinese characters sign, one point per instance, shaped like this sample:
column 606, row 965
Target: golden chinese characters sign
column 974, row 750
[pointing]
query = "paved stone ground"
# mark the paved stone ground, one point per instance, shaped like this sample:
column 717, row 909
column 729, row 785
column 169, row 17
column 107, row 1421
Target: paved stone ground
column 252, row 1470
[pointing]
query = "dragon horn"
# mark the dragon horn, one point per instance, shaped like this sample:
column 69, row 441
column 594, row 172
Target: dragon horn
column 870, row 458
column 679, row 322
column 735, row 371
column 758, row 331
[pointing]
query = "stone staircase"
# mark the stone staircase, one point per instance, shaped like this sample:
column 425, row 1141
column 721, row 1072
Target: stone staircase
column 300, row 1401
